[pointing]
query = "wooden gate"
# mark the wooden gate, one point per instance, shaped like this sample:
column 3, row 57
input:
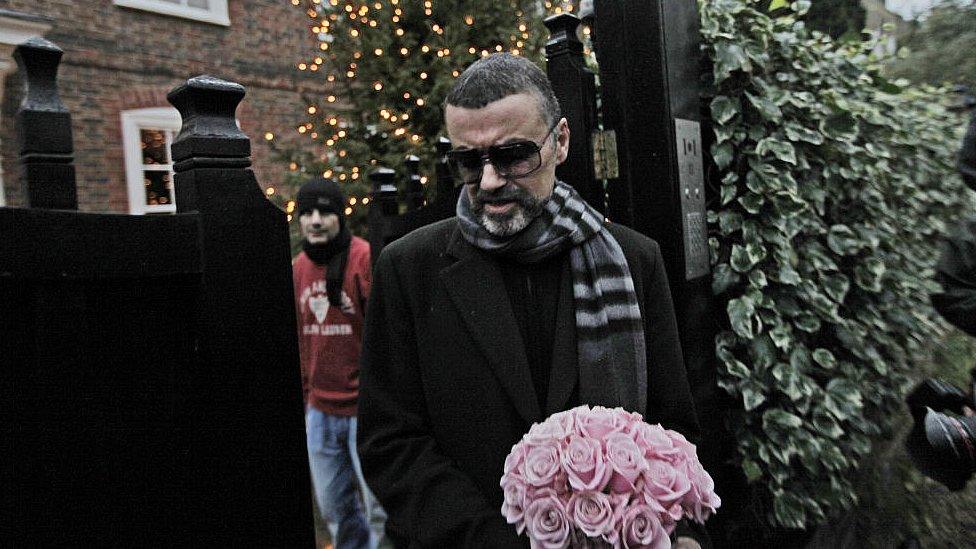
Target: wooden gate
column 149, row 377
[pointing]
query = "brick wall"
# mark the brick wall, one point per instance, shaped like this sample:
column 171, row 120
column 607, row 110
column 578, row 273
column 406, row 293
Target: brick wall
column 119, row 58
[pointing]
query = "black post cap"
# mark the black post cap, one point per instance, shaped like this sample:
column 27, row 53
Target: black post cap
column 38, row 59
column 443, row 145
column 562, row 34
column 209, row 137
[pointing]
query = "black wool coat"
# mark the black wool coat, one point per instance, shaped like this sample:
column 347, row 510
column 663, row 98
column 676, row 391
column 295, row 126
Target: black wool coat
column 445, row 387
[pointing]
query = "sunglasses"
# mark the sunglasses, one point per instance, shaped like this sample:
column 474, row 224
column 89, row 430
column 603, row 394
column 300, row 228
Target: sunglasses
column 510, row 160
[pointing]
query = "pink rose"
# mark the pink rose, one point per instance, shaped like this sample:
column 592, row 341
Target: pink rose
column 664, row 483
column 629, row 419
column 654, row 440
column 620, row 503
column 598, row 422
column 542, row 467
column 556, row 427
column 627, row 461
column 515, row 461
column 591, row 512
column 513, row 506
column 642, row 528
column 546, row 521
column 583, row 461
column 701, row 500
column 681, row 443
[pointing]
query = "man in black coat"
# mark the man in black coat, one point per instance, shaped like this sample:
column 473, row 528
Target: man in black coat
column 956, row 270
column 525, row 304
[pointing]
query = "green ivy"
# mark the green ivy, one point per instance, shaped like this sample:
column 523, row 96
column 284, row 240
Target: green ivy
column 834, row 186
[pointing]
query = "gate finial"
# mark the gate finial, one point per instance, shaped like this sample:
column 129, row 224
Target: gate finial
column 562, row 35
column 44, row 129
column 209, row 137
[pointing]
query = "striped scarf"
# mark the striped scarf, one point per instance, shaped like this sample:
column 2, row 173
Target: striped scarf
column 609, row 332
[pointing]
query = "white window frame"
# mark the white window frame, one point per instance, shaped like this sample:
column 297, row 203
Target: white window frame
column 216, row 14
column 156, row 118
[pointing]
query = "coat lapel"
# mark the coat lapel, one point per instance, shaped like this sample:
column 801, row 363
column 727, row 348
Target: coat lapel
column 476, row 287
column 565, row 372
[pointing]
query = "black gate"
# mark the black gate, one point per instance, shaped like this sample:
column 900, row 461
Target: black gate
column 149, row 377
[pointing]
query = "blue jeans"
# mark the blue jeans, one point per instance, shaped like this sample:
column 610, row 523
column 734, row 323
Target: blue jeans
column 335, row 475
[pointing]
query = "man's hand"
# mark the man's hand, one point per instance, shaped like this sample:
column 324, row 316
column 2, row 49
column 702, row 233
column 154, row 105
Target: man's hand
column 685, row 542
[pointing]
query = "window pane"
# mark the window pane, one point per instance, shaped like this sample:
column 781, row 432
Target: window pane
column 158, row 188
column 203, row 4
column 153, row 147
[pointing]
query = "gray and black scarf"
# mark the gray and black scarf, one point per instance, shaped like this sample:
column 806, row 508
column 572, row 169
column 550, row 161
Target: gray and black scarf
column 609, row 331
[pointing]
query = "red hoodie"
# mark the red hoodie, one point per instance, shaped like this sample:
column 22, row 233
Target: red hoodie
column 329, row 337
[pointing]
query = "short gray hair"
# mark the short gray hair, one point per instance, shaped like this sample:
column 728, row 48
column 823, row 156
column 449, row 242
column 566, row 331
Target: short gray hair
column 499, row 75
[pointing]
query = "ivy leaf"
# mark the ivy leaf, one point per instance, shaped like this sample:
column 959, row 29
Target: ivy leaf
column 781, row 335
column 788, row 510
column 751, row 470
column 788, row 275
column 841, row 126
column 796, row 132
column 756, row 251
column 789, row 380
column 737, row 369
column 789, row 203
column 807, row 322
column 729, row 193
column 752, row 202
column 801, row 7
column 842, row 240
column 762, row 353
column 729, row 57
column 752, row 397
column 729, row 221
column 782, row 150
column 722, row 154
column 723, row 278
column 867, row 275
column 758, row 279
column 724, row 109
column 741, row 260
column 824, row 358
column 740, row 311
column 800, row 358
column 844, row 389
column 767, row 109
column 836, row 286
column 777, row 418
column 827, row 425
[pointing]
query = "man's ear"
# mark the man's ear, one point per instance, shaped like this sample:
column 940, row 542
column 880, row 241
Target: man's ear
column 562, row 140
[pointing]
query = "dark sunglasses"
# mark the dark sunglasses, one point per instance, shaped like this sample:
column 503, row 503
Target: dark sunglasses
column 510, row 160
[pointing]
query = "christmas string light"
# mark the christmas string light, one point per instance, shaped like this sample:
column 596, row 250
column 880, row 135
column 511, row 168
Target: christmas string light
column 430, row 47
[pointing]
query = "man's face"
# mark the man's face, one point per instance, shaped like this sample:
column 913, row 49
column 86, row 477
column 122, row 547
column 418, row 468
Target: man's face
column 318, row 227
column 506, row 206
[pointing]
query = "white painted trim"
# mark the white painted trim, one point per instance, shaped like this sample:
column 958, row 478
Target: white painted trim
column 157, row 118
column 13, row 31
column 216, row 14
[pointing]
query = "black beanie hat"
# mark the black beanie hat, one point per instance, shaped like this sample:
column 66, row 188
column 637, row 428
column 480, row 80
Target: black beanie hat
column 322, row 194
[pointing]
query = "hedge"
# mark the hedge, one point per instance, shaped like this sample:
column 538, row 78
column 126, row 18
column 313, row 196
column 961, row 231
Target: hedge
column 835, row 184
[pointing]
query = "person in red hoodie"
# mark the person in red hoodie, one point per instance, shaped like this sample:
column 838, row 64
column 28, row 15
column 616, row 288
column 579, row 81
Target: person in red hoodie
column 332, row 281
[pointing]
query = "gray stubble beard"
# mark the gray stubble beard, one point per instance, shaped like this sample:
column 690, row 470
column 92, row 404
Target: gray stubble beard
column 527, row 207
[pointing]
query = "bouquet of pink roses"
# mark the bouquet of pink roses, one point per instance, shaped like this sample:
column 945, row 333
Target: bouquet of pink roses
column 603, row 478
